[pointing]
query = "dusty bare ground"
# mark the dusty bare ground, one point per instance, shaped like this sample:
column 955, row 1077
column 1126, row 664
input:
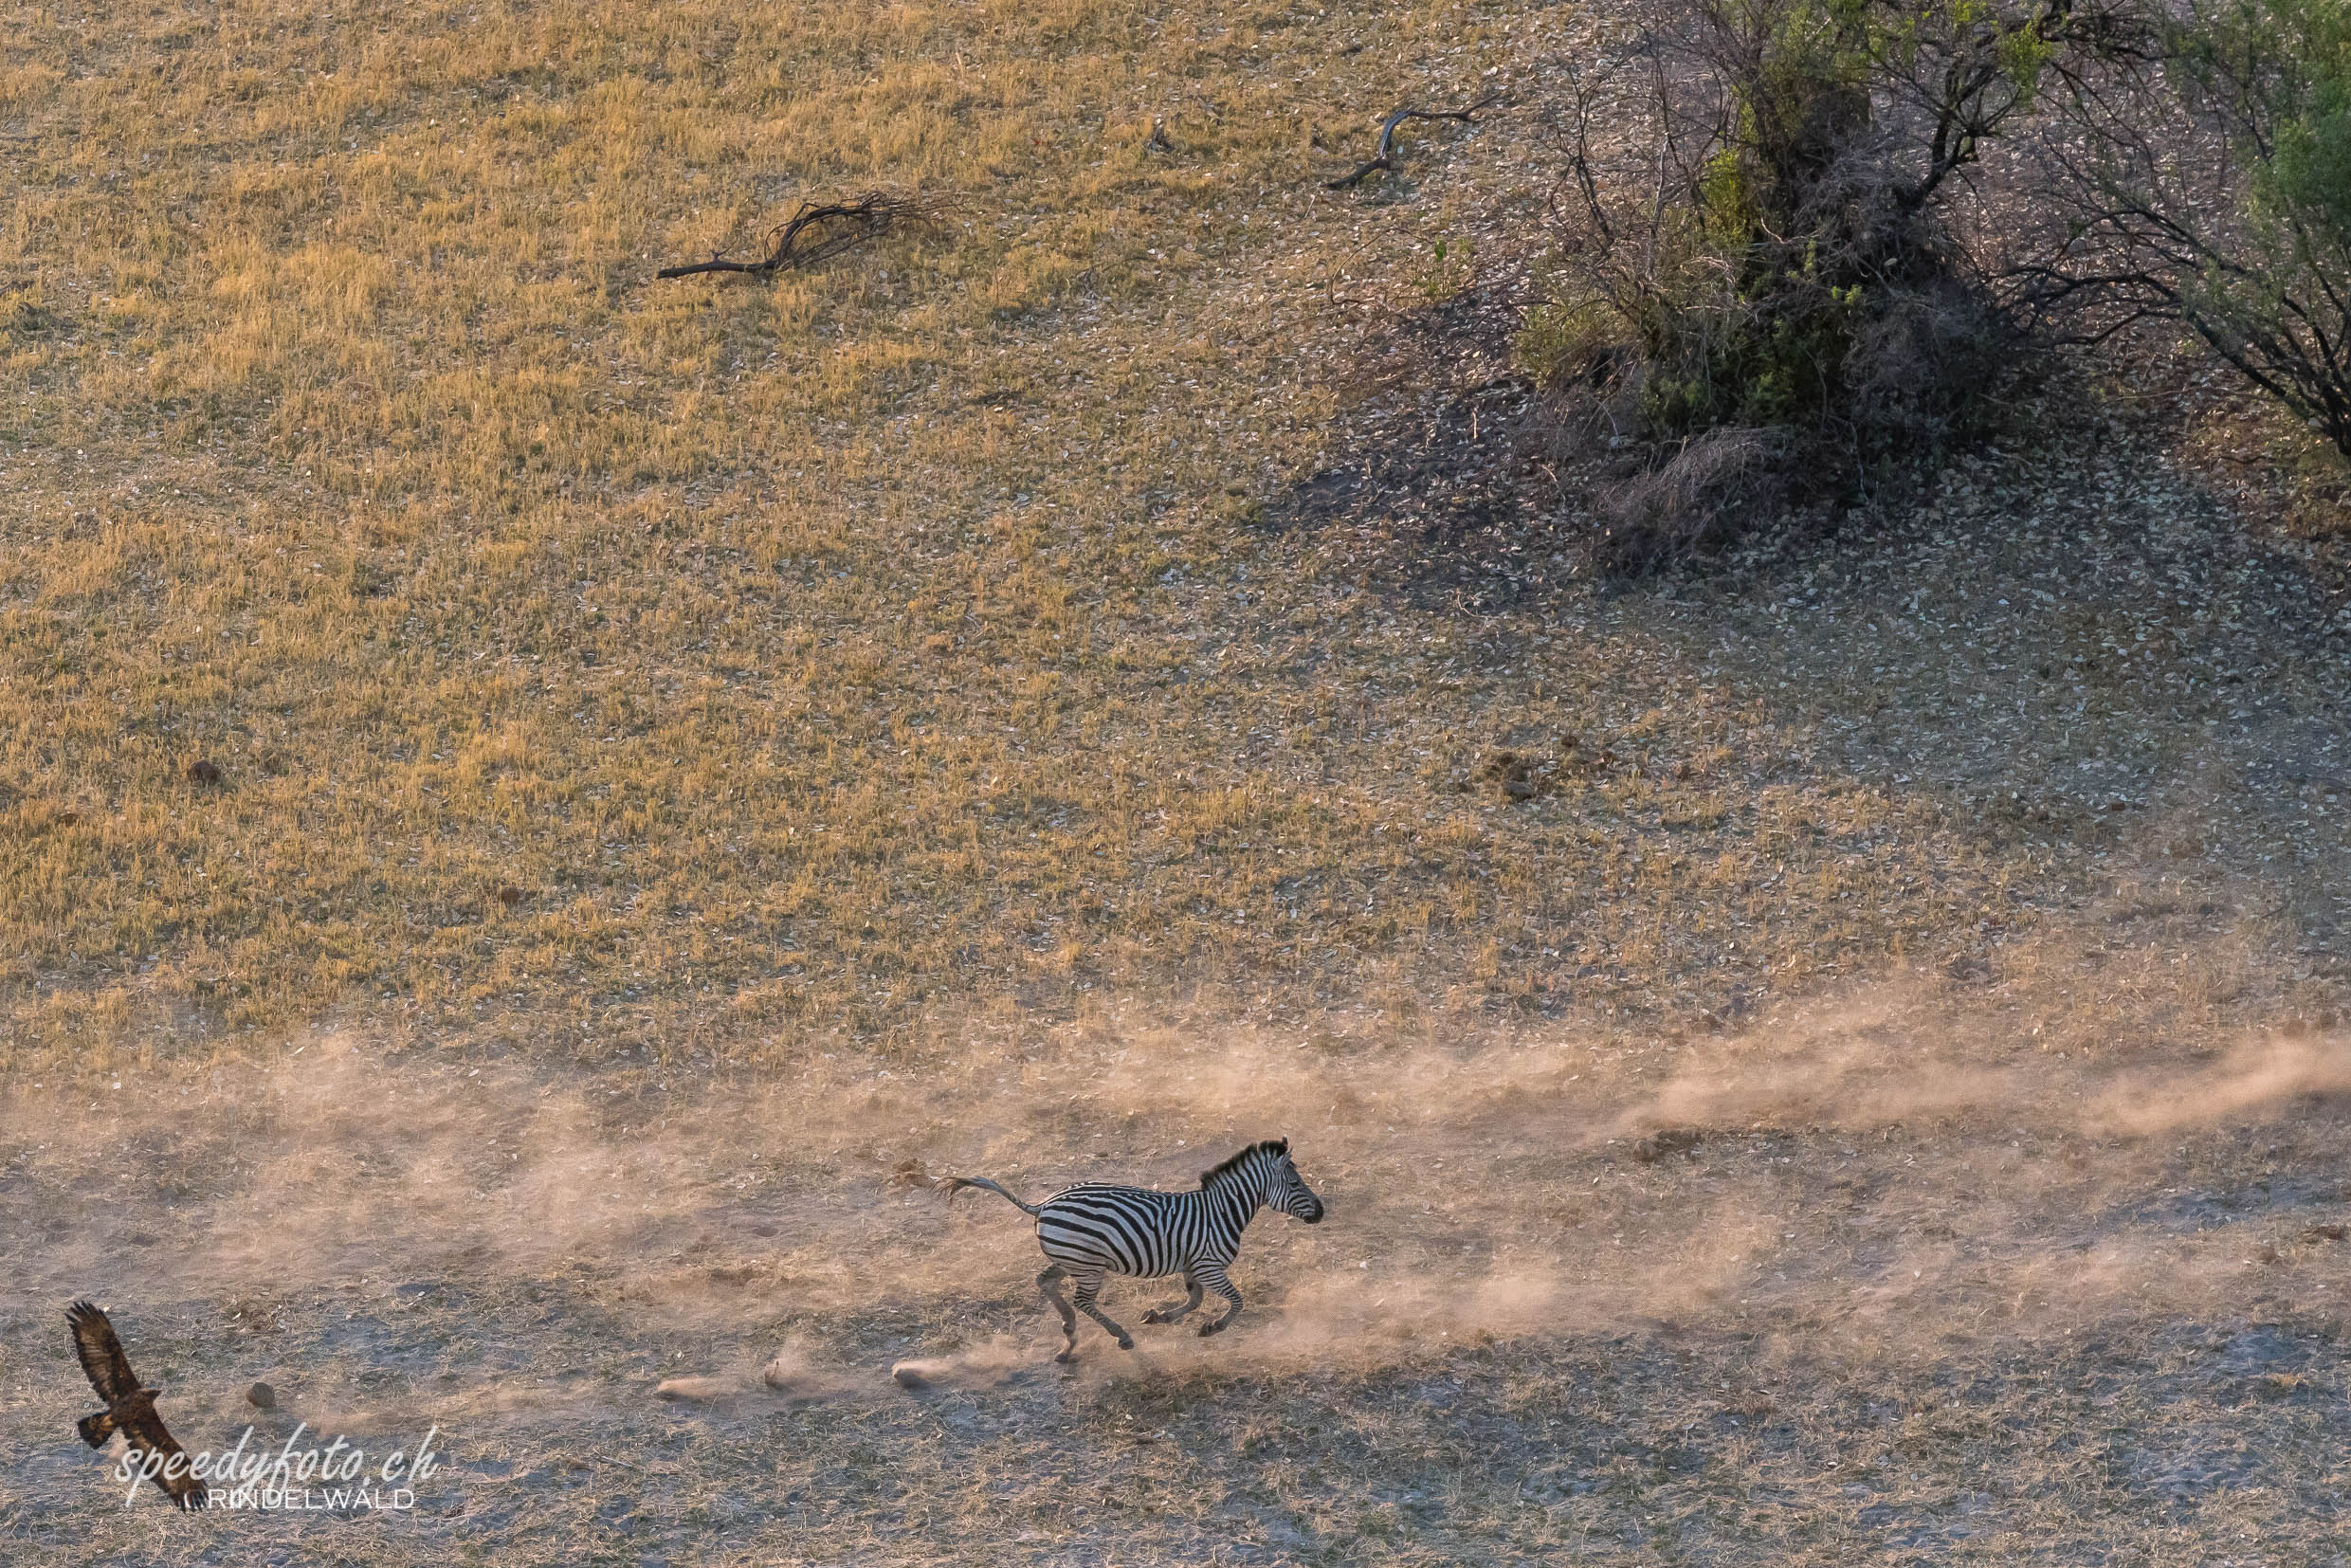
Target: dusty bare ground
column 1042, row 706
column 1880, row 1279
column 2025, row 1248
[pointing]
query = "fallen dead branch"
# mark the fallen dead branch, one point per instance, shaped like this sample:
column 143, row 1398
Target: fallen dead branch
column 821, row 231
column 1383, row 156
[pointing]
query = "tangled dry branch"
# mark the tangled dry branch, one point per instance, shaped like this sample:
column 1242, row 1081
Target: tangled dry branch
column 820, row 231
column 1383, row 156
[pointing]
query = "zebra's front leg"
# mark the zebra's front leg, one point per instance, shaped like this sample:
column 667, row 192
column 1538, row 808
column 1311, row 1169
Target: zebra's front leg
column 1175, row 1312
column 1050, row 1284
column 1088, row 1284
column 1214, row 1278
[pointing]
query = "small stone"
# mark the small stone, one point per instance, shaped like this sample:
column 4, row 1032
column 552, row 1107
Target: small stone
column 261, row 1396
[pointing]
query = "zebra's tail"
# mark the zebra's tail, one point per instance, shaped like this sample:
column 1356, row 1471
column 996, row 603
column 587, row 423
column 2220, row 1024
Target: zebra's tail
column 953, row 1185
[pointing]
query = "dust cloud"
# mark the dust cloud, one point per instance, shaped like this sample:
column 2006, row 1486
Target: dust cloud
column 1858, row 1174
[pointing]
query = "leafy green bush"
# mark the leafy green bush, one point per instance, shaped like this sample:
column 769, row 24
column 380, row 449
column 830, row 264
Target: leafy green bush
column 2219, row 194
column 1759, row 284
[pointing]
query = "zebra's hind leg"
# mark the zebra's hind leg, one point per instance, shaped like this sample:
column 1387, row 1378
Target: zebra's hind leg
column 1175, row 1312
column 1050, row 1284
column 1087, row 1286
column 1216, row 1281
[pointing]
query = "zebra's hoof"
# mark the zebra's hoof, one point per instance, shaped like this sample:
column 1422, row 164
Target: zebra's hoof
column 1153, row 1317
column 1066, row 1356
column 1207, row 1329
column 1126, row 1344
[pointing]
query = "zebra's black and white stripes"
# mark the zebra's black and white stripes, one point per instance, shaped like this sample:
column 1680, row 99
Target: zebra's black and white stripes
column 1093, row 1230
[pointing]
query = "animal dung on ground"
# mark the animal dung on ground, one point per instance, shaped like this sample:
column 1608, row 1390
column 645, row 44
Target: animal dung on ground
column 261, row 1396
column 510, row 896
column 1515, row 773
column 1667, row 1141
column 203, row 772
column 906, row 1374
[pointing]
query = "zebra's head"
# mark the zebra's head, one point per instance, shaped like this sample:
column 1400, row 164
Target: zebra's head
column 1264, row 1171
column 1287, row 1190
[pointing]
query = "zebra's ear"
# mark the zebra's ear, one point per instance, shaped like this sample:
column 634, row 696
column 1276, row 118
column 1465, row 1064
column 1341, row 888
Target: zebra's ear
column 1279, row 1145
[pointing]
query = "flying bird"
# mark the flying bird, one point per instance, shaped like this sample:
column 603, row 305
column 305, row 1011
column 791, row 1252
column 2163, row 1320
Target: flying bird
column 130, row 1408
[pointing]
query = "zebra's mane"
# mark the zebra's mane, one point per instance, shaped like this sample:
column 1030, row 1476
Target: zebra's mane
column 1270, row 1146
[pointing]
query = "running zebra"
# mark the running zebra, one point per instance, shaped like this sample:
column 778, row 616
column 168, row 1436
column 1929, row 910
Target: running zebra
column 1095, row 1229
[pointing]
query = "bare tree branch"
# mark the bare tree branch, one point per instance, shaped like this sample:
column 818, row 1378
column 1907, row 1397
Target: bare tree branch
column 821, row 231
column 2151, row 185
column 1383, row 156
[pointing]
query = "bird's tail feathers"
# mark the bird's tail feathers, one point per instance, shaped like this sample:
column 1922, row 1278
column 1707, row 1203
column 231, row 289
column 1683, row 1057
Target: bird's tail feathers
column 955, row 1184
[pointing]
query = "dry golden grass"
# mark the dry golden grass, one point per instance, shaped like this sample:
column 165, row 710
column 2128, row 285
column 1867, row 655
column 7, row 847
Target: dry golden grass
column 708, row 741
column 832, row 656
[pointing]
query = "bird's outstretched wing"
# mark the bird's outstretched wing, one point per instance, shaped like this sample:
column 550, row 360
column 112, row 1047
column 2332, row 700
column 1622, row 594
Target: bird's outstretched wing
column 145, row 1432
column 102, row 1360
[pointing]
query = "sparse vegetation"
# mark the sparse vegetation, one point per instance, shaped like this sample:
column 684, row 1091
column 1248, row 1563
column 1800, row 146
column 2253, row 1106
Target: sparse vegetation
column 1760, row 293
column 829, row 661
column 2216, row 193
